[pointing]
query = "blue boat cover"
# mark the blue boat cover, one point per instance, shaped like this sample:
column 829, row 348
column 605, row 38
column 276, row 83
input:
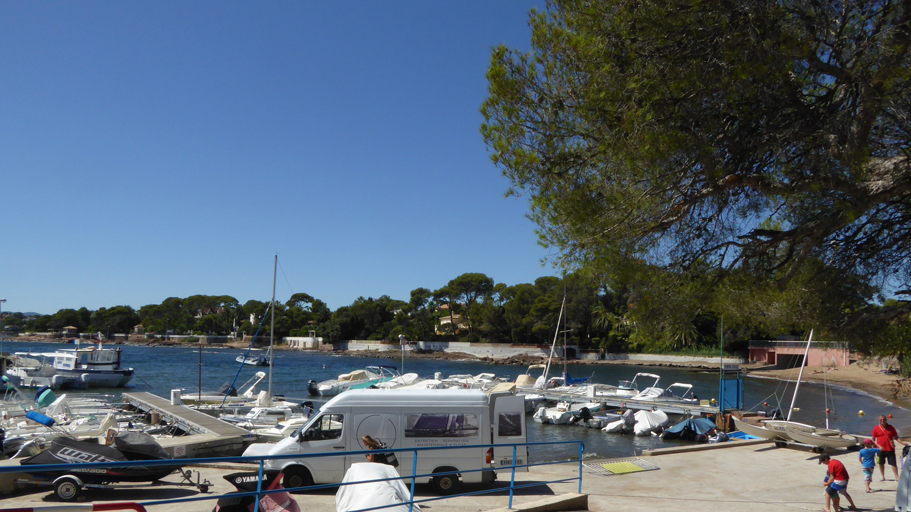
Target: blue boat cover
column 569, row 381
column 37, row 417
column 698, row 425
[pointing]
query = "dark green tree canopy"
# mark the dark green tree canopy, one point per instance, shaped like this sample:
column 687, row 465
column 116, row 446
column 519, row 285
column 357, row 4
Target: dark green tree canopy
column 711, row 138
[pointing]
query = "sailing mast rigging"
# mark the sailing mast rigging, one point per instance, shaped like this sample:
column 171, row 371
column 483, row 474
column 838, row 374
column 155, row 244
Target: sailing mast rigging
column 272, row 331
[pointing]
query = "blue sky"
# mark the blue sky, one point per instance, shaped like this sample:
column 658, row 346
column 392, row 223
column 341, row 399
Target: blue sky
column 165, row 149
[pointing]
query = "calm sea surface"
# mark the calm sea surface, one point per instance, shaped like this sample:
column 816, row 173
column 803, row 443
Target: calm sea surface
column 160, row 369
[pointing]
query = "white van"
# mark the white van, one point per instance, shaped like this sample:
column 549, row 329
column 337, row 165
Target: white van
column 407, row 419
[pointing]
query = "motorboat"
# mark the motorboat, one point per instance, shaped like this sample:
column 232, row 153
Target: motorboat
column 402, row 381
column 358, row 379
column 675, row 393
column 480, row 381
column 563, row 412
column 226, row 394
column 255, row 359
column 527, row 380
column 260, row 417
column 280, row 430
column 625, row 388
column 36, row 371
column 88, row 367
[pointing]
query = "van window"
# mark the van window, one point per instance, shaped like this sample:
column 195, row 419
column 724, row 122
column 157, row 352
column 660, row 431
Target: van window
column 441, row 425
column 328, row 426
column 509, row 424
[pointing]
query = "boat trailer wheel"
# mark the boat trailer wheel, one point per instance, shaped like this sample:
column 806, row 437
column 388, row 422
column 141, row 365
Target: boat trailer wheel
column 67, row 489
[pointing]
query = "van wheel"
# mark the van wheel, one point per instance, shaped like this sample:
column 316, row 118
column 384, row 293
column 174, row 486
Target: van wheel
column 67, row 489
column 296, row 476
column 445, row 484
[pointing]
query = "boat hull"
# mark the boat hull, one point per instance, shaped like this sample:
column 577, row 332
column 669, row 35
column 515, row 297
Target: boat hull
column 825, row 438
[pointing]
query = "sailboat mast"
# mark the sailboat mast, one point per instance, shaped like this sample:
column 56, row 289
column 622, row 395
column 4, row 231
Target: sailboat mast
column 800, row 375
column 552, row 346
column 272, row 329
column 564, row 330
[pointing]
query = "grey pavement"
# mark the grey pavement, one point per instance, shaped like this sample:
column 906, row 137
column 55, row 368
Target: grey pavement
column 732, row 477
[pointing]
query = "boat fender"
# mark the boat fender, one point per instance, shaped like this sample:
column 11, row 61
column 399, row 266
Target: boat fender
column 78, row 480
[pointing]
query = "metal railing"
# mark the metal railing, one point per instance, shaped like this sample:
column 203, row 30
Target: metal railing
column 261, row 459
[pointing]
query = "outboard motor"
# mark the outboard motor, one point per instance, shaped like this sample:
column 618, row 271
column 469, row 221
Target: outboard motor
column 313, row 387
column 629, row 420
column 584, row 415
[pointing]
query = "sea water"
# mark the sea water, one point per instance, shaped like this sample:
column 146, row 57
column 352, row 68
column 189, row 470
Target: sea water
column 161, row 369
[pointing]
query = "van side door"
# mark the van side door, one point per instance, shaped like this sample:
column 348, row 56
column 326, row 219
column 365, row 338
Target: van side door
column 382, row 426
column 509, row 428
column 325, row 435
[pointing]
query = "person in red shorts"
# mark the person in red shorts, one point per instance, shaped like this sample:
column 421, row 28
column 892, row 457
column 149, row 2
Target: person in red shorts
column 836, row 483
column 884, row 435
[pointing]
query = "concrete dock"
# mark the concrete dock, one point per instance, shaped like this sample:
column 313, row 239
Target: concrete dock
column 730, row 477
column 209, row 436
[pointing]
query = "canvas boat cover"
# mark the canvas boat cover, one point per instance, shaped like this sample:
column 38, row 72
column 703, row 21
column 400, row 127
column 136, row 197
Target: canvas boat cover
column 649, row 421
column 227, row 389
column 626, row 423
column 358, row 496
column 690, row 428
column 139, row 446
column 65, row 450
